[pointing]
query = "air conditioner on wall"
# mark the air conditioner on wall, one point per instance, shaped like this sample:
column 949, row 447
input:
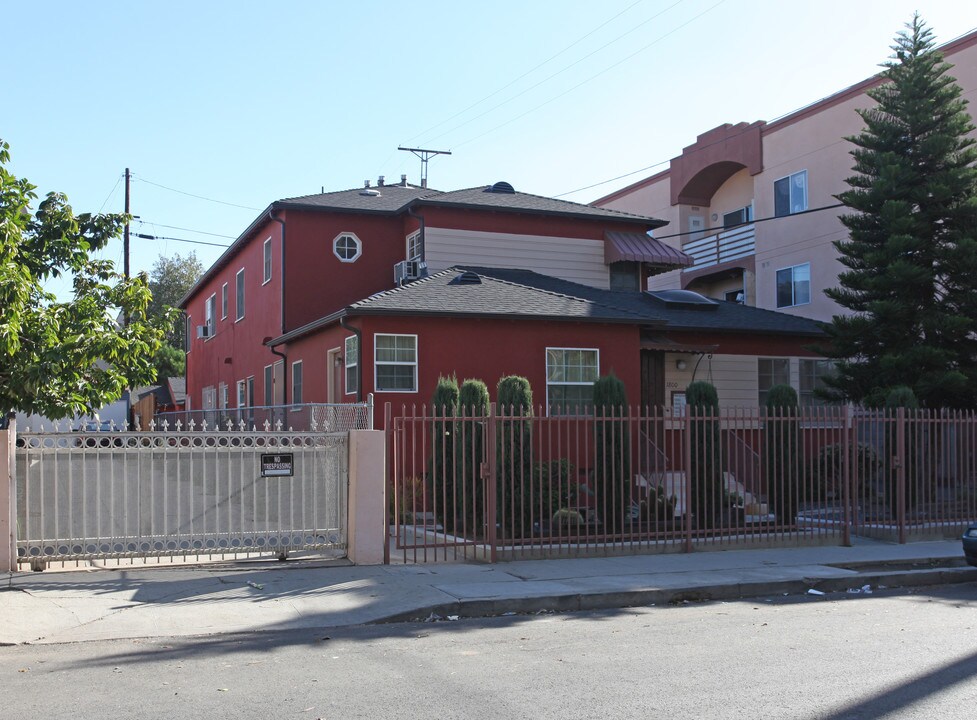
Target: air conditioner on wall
column 203, row 331
column 407, row 270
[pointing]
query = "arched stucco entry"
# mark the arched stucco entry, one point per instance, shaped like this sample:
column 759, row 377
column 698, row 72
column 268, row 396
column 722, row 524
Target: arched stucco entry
column 716, row 156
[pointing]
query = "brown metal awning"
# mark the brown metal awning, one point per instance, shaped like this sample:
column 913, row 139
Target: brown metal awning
column 636, row 247
column 658, row 342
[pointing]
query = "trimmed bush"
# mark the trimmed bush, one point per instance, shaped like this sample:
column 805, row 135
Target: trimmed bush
column 444, row 405
column 514, row 452
column 705, row 471
column 784, row 453
column 473, row 402
column 612, row 458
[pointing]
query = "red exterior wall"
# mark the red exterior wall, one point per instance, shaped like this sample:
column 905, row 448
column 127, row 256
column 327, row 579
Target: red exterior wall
column 482, row 349
column 749, row 344
column 236, row 350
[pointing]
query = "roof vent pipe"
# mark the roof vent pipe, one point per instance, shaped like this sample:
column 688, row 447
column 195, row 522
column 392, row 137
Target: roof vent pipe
column 366, row 183
column 380, row 181
column 403, row 180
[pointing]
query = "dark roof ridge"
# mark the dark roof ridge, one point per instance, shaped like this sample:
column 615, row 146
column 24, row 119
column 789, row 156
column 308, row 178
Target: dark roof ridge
column 539, row 197
column 554, row 293
column 381, row 188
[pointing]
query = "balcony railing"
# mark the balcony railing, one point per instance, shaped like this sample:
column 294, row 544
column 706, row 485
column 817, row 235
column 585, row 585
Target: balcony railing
column 737, row 242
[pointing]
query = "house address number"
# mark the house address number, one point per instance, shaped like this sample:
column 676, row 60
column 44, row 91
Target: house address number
column 276, row 465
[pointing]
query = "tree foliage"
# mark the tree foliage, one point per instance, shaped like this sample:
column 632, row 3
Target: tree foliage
column 170, row 279
column 59, row 358
column 911, row 256
column 612, row 458
column 706, row 479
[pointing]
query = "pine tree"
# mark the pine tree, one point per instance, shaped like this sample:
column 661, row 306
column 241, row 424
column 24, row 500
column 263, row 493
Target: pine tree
column 911, row 255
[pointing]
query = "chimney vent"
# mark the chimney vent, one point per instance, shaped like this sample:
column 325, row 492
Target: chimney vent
column 366, row 183
column 403, row 180
column 380, row 181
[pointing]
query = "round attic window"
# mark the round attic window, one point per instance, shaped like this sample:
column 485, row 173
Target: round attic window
column 347, row 247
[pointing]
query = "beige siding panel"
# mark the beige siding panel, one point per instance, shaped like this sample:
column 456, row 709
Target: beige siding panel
column 735, row 378
column 574, row 259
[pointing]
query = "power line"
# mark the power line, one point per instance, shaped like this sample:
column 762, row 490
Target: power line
column 593, row 77
column 174, row 227
column 704, row 233
column 545, row 62
column 111, row 193
column 184, row 240
column 199, row 197
column 563, row 70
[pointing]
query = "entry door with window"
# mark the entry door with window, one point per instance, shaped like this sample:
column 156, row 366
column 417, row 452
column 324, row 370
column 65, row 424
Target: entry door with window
column 652, row 379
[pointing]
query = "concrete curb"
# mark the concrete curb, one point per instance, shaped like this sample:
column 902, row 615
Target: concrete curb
column 695, row 593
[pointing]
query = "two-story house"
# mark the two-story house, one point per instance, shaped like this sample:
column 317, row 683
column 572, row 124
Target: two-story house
column 383, row 289
column 754, row 205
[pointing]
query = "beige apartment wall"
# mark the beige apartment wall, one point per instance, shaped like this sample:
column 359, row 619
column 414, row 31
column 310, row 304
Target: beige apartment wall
column 735, row 193
column 574, row 259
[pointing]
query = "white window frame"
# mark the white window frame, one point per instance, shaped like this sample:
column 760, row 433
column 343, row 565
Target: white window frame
column 266, row 261
column 415, row 248
column 297, row 388
column 208, row 397
column 239, row 296
column 596, row 352
column 269, row 382
column 762, row 392
column 222, row 396
column 807, row 397
column 398, row 363
column 791, row 209
column 356, row 242
column 210, row 316
column 188, row 334
column 348, row 387
column 224, row 301
column 793, row 286
column 242, row 393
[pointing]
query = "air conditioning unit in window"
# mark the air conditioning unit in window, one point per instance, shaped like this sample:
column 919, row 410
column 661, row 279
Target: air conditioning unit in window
column 407, row 270
column 203, row 331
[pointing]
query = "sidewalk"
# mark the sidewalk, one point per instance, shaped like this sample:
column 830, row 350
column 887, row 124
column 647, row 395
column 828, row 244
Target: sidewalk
column 76, row 606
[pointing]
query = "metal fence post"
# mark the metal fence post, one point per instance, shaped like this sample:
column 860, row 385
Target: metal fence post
column 900, row 465
column 8, row 498
column 847, row 496
column 369, row 411
column 687, row 438
column 491, row 511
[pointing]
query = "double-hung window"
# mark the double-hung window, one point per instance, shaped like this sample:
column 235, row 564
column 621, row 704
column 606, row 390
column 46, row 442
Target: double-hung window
column 239, row 288
column 570, row 376
column 812, row 374
column 210, row 311
column 794, row 285
column 352, row 361
column 770, row 372
column 395, row 359
column 267, row 261
column 790, row 194
column 297, row 382
column 224, row 301
column 415, row 248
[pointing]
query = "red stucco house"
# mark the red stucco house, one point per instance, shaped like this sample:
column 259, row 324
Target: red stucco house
column 381, row 290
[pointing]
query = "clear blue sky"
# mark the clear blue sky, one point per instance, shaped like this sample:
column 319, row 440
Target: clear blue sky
column 248, row 102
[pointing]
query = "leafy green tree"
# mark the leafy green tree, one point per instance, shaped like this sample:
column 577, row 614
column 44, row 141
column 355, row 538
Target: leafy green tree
column 514, row 444
column 911, row 255
column 444, row 448
column 169, row 362
column 170, row 279
column 65, row 357
column 784, row 465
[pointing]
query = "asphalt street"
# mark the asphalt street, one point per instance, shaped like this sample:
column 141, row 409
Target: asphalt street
column 886, row 654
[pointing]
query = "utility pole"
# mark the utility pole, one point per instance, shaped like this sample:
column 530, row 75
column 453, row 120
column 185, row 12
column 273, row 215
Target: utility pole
column 424, row 155
column 125, row 236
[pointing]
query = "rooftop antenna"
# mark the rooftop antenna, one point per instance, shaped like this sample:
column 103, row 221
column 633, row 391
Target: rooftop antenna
column 424, row 155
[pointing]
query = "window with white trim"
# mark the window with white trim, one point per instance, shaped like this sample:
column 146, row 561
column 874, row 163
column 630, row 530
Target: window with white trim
column 210, row 311
column 209, row 397
column 794, row 285
column 395, row 363
column 570, row 376
column 224, row 301
column 415, row 248
column 297, row 382
column 812, row 375
column 790, row 194
column 187, row 333
column 351, row 357
column 222, row 396
column 239, row 290
column 738, row 217
column 267, row 261
column 242, row 396
column 770, row 372
column 347, row 247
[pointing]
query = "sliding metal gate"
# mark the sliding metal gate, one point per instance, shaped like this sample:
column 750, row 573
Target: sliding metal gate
column 143, row 494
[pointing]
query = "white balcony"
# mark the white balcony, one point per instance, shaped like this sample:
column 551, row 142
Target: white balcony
column 737, row 242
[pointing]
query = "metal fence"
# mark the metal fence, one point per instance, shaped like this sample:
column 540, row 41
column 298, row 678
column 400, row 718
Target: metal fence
column 310, row 417
column 509, row 486
column 127, row 494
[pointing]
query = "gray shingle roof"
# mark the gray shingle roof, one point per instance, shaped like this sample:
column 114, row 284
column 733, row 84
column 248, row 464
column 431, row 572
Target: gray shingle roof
column 524, row 293
column 383, row 199
column 483, row 198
